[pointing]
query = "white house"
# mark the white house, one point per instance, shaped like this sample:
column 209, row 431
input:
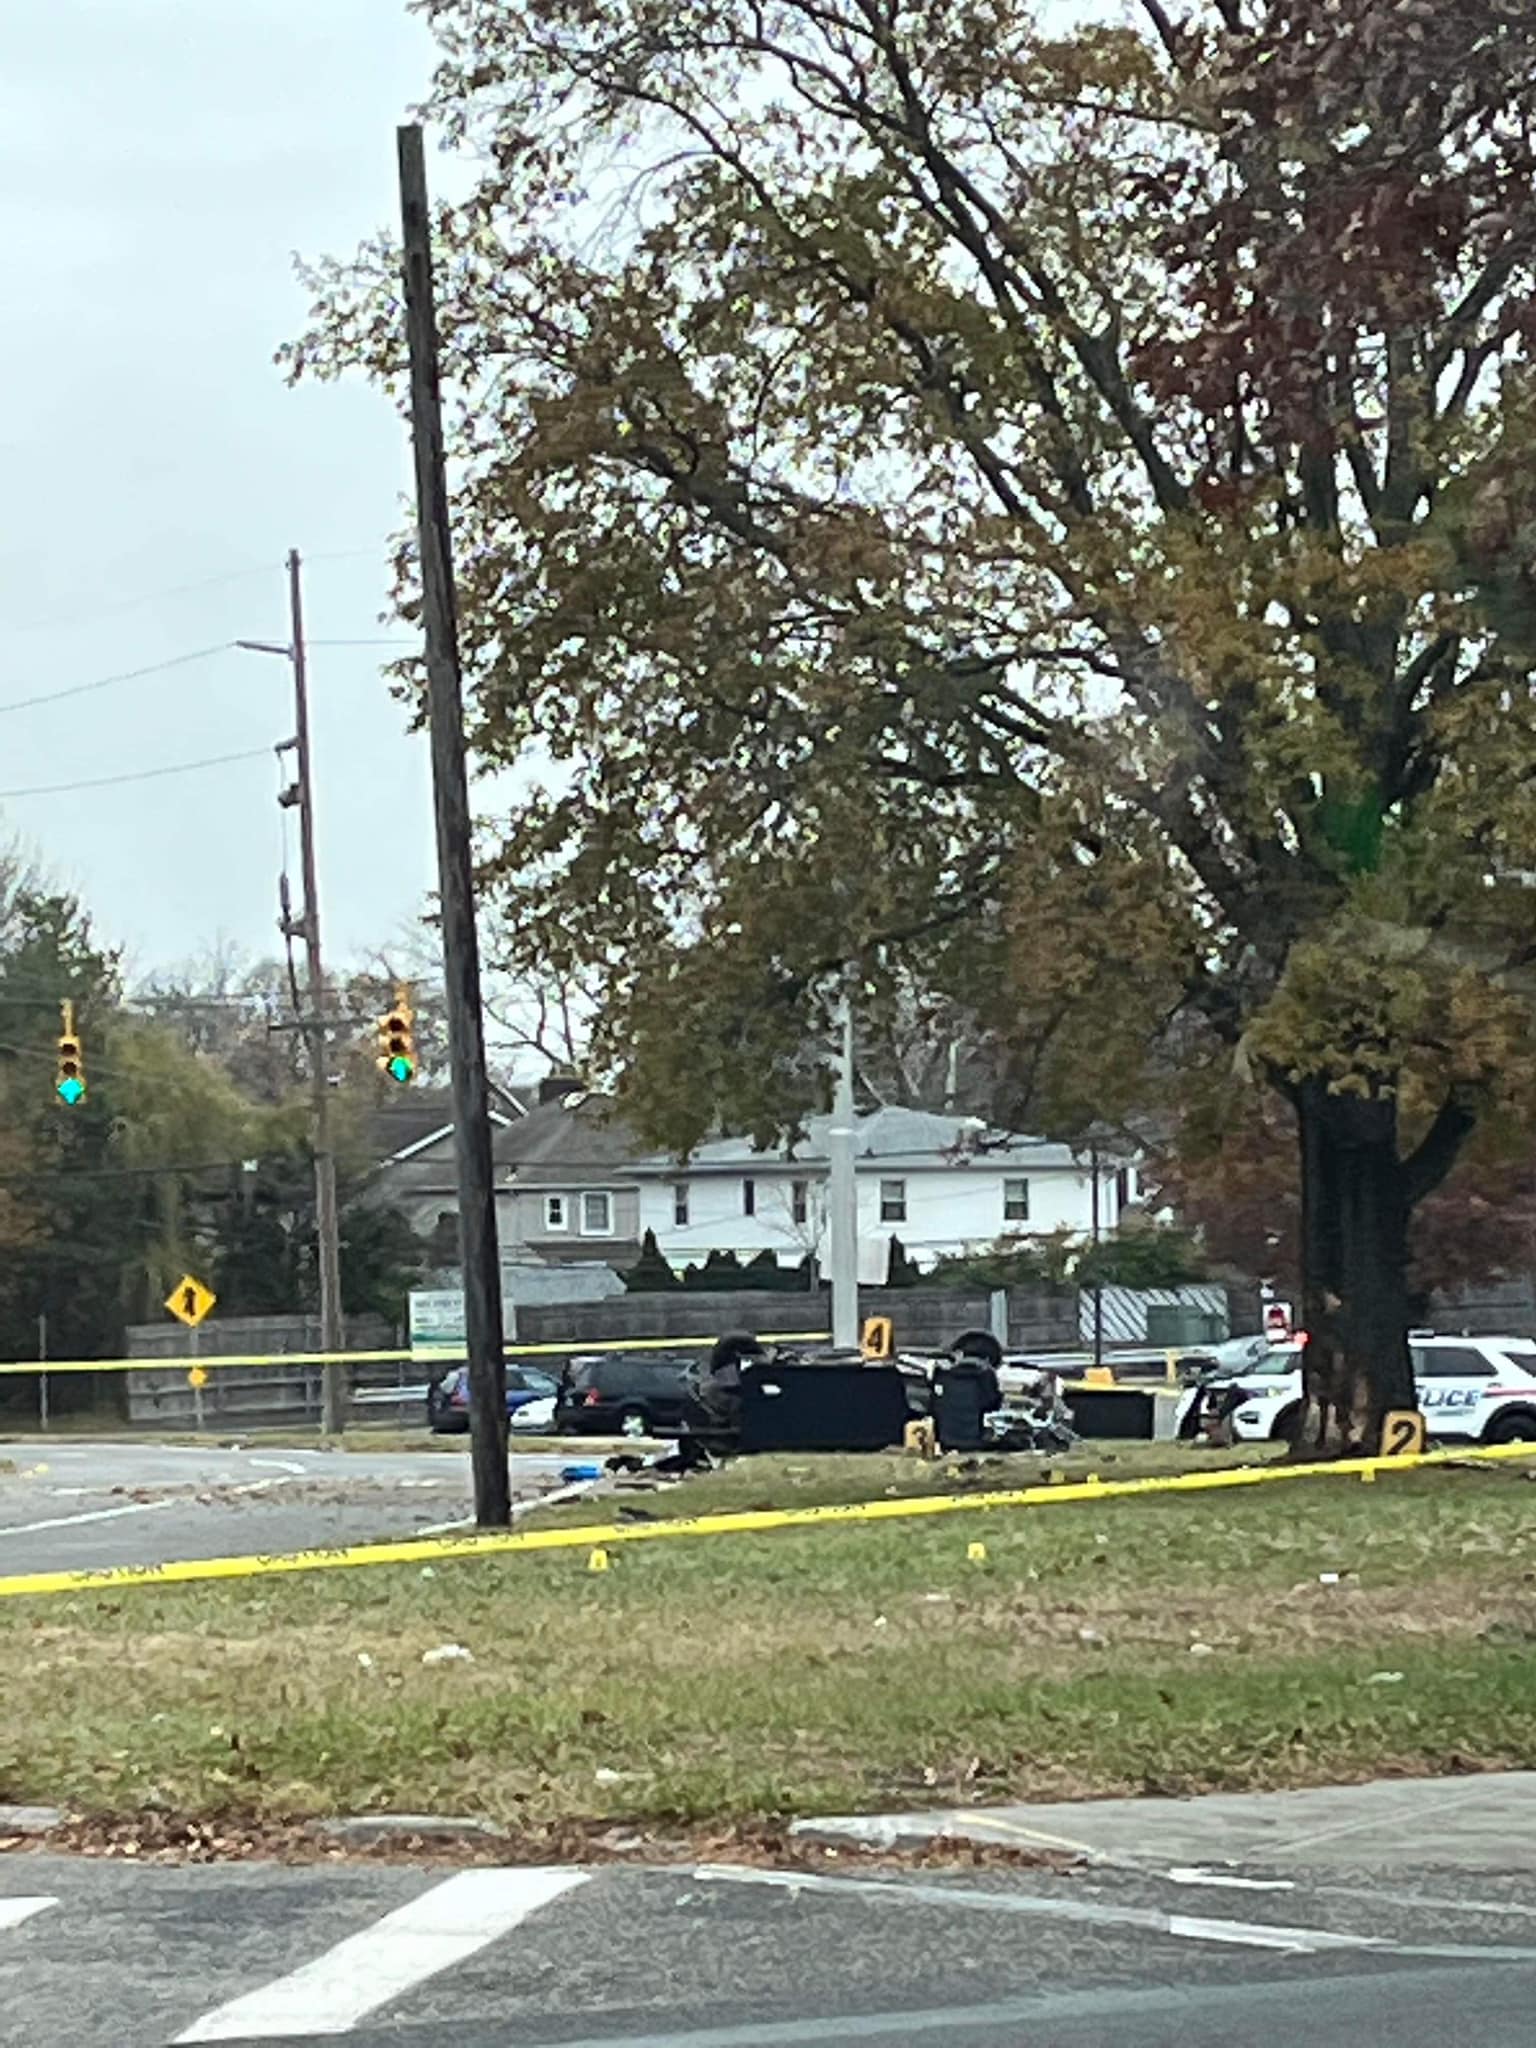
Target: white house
column 942, row 1184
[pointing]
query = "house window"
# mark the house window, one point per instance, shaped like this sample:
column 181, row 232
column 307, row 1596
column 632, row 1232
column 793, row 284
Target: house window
column 799, row 1201
column 1122, row 1188
column 1015, row 1201
column 893, row 1201
column 680, row 1205
column 597, row 1215
column 556, row 1216
column 749, row 1198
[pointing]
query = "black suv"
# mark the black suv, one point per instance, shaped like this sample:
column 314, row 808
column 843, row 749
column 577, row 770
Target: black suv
column 644, row 1393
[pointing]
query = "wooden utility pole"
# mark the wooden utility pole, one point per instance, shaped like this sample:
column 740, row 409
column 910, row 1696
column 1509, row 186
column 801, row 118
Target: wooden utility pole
column 450, row 786
column 333, row 1383
column 315, row 1022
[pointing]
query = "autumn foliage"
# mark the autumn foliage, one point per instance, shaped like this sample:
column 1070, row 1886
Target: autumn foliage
column 1046, row 510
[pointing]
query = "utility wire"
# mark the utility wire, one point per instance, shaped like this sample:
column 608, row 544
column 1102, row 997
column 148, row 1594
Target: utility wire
column 128, row 604
column 157, row 668
column 71, row 1174
column 127, row 675
column 50, row 1052
column 227, row 576
column 137, row 775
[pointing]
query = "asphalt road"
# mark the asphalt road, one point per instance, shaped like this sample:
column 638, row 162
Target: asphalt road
column 98, row 1954
column 72, row 1506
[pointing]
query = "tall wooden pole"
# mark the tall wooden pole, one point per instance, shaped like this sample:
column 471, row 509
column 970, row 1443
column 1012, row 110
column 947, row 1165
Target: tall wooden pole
column 450, row 784
column 333, row 1379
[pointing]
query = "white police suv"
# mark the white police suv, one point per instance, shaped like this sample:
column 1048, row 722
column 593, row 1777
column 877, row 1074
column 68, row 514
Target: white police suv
column 1480, row 1389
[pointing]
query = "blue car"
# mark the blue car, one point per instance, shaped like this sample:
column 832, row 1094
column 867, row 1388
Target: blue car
column 448, row 1398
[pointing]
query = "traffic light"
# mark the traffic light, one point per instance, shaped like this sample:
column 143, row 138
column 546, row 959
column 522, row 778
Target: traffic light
column 70, row 1084
column 397, row 1041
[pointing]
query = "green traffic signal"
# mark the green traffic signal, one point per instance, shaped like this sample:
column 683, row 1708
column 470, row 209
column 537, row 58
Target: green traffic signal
column 397, row 1049
column 70, row 1079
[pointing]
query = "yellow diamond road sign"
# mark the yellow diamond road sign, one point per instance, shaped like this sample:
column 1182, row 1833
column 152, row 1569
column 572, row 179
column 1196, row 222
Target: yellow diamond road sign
column 189, row 1301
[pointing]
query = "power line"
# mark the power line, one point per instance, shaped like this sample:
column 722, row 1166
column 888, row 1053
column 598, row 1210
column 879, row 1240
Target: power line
column 138, row 775
column 128, row 604
column 127, row 675
column 70, row 1174
column 50, row 1052
column 347, row 555
column 157, row 668
column 375, row 553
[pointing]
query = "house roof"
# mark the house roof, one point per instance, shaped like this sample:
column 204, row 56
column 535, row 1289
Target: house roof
column 905, row 1136
column 412, row 1120
column 409, row 1117
column 575, row 1135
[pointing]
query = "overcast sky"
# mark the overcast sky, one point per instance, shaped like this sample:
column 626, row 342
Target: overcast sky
column 160, row 163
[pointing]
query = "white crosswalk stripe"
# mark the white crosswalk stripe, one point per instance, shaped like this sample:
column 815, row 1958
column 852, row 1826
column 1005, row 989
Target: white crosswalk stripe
column 14, row 1911
column 416, row 1941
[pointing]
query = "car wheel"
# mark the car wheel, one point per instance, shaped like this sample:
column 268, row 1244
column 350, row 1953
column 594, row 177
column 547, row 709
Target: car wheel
column 1286, row 1423
column 1516, row 1428
column 634, row 1422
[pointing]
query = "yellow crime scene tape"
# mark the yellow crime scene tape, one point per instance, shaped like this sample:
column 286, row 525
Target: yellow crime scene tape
column 423, row 1354
column 601, row 1537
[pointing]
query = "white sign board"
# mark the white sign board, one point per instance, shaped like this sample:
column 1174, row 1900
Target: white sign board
column 437, row 1317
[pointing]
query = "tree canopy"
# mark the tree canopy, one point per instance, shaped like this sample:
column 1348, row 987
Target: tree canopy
column 189, row 1152
column 1049, row 508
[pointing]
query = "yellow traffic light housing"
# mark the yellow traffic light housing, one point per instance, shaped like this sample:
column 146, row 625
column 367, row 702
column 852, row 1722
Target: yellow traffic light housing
column 397, row 1040
column 69, row 1084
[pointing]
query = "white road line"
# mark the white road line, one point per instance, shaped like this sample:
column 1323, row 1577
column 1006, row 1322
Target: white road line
column 1180, row 1926
column 14, row 1911
column 138, row 1507
column 1254, row 1934
column 135, row 1507
column 367, row 1970
column 278, row 1465
column 1217, row 1880
column 1250, row 1934
column 1483, row 1909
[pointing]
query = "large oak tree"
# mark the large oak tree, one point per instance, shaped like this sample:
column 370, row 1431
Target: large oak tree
column 1043, row 498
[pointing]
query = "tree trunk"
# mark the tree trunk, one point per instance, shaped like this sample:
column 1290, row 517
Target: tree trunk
column 1355, row 1204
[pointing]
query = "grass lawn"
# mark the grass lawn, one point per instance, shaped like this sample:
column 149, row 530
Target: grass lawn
column 1160, row 1644
column 823, row 1481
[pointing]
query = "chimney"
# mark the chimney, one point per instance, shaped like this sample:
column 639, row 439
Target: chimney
column 557, row 1086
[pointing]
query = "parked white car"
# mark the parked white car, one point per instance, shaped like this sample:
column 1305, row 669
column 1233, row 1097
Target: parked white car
column 1250, row 1354
column 1471, row 1389
column 534, row 1418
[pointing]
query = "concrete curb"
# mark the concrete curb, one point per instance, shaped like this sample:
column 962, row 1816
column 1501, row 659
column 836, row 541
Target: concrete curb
column 1482, row 1821
column 30, row 1820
